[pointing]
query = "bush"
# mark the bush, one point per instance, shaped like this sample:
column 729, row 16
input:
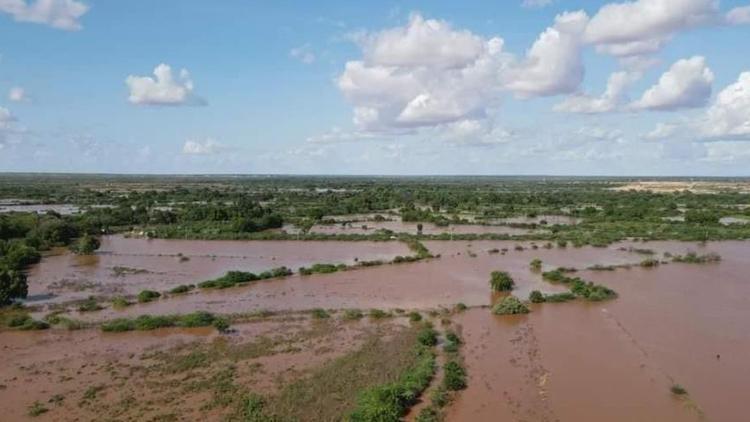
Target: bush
column 501, row 281
column 196, row 319
column 454, row 377
column 536, row 264
column 319, row 313
column 378, row 314
column 678, row 390
column 148, row 296
column 13, row 285
column 427, row 337
column 510, row 305
column 118, row 325
column 460, row 307
column 120, row 302
column 181, row 289
column 536, row 296
column 89, row 305
column 221, row 325
column 415, row 316
column 37, row 409
column 352, row 314
column 86, row 245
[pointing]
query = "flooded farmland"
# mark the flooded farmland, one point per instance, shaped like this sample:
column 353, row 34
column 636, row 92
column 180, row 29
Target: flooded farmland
column 675, row 323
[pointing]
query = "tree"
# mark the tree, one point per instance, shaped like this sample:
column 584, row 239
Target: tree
column 501, row 281
column 86, row 245
column 12, row 285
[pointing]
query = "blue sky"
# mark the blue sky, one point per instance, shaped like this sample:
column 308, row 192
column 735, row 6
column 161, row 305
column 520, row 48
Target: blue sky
column 335, row 87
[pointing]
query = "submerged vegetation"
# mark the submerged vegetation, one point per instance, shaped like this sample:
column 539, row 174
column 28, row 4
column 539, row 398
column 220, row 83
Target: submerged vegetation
column 152, row 322
column 510, row 305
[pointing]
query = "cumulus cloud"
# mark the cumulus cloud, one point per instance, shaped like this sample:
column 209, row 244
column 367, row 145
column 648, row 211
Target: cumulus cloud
column 163, row 88
column 427, row 73
column 17, row 95
column 553, row 65
column 644, row 26
column 739, row 16
column 60, row 14
column 687, row 84
column 614, row 96
column 728, row 118
column 303, row 53
column 206, row 147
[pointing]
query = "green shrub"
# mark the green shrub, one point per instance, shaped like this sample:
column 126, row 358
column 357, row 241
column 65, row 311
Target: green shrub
column 415, row 316
column 510, row 305
column 501, row 281
column 85, row 245
column 120, row 302
column 33, row 324
column 221, row 325
column 536, row 296
column 454, row 376
column 319, row 313
column 678, row 390
column 196, row 319
column 37, row 409
column 89, row 305
column 378, row 314
column 118, row 325
column 536, row 264
column 352, row 314
column 148, row 296
column 460, row 307
column 181, row 289
column 427, row 337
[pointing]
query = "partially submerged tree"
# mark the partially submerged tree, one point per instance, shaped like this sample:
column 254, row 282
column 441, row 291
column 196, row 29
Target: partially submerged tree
column 13, row 285
column 501, row 281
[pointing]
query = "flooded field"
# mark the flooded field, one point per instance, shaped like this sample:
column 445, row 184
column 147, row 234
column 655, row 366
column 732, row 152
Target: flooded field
column 675, row 323
column 129, row 265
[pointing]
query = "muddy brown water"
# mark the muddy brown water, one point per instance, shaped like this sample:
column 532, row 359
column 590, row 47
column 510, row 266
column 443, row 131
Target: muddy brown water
column 612, row 361
column 156, row 264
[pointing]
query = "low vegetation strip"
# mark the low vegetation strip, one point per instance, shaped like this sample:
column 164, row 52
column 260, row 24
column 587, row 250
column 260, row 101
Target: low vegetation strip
column 375, row 383
column 578, row 287
column 152, row 322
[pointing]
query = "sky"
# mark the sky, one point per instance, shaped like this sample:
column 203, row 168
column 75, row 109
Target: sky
column 512, row 87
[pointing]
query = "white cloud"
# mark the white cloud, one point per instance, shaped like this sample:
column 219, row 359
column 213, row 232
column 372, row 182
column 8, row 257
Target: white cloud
column 686, row 84
column 644, row 26
column 422, row 42
column 17, row 95
column 206, row 147
column 427, row 74
column 60, row 14
column 661, row 131
column 728, row 118
column 422, row 74
column 611, row 100
column 739, row 16
column 474, row 133
column 303, row 53
column 553, row 64
column 536, row 4
column 162, row 89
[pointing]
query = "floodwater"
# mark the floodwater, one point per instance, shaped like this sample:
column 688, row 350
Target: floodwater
column 397, row 226
column 158, row 264
column 611, row 361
